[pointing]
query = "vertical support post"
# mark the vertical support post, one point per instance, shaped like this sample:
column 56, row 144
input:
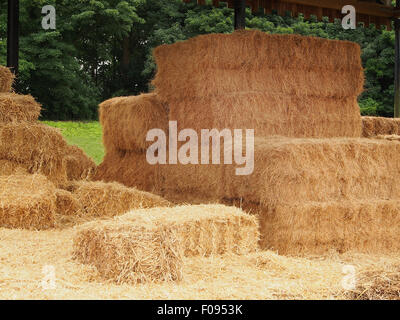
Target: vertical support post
column 397, row 66
column 240, row 14
column 13, row 35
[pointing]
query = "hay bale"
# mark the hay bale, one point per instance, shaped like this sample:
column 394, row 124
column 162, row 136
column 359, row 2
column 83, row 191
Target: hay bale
column 374, row 126
column 67, row 203
column 269, row 115
column 6, row 79
column 8, row 168
column 130, row 169
column 253, row 53
column 100, row 199
column 15, row 107
column 290, row 170
column 298, row 170
column 126, row 121
column 127, row 253
column 39, row 148
column 202, row 230
column 369, row 226
column 27, row 202
column 147, row 245
column 78, row 165
column 270, row 83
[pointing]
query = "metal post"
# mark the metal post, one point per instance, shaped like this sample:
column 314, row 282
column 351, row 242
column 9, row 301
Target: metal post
column 397, row 66
column 13, row 35
column 240, row 14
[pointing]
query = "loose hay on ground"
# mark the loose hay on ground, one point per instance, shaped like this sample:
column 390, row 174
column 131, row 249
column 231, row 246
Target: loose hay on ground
column 263, row 275
column 100, row 199
column 27, row 202
column 15, row 107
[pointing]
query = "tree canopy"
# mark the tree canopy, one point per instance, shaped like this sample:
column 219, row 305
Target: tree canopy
column 103, row 48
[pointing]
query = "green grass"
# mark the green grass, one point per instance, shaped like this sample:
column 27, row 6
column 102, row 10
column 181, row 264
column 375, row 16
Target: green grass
column 86, row 135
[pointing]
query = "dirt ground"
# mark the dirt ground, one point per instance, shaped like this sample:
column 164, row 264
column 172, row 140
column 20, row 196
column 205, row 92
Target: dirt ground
column 29, row 259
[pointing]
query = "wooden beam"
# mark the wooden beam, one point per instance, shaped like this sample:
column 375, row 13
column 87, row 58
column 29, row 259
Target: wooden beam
column 13, row 36
column 240, row 14
column 372, row 9
column 397, row 66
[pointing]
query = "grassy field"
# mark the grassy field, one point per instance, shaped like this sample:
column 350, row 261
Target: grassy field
column 86, row 135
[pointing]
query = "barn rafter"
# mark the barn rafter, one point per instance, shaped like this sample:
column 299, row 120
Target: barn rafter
column 367, row 12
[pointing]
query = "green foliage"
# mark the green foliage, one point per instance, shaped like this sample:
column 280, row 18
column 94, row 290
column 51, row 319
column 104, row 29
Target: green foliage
column 86, row 135
column 103, row 48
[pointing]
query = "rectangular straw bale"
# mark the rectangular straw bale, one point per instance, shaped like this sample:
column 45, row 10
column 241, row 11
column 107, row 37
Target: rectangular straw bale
column 100, row 199
column 370, row 226
column 296, row 170
column 374, row 126
column 126, row 121
column 288, row 170
column 6, row 79
column 270, row 115
column 203, row 230
column 39, row 148
column 78, row 165
column 300, row 81
column 15, row 107
column 131, row 169
column 250, row 52
column 27, row 202
column 129, row 253
column 197, row 230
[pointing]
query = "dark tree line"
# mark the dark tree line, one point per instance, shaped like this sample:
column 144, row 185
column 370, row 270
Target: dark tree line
column 102, row 48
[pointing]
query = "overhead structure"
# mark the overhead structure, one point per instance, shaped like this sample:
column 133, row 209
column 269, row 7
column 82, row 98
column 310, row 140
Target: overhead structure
column 377, row 12
column 368, row 11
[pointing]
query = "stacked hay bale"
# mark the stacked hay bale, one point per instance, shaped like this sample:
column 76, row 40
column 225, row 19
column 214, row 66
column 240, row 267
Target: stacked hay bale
column 42, row 177
column 28, row 144
column 125, row 122
column 378, row 126
column 285, row 85
column 148, row 245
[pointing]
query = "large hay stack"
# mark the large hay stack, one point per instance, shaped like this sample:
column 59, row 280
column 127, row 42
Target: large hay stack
column 234, row 81
column 317, row 185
